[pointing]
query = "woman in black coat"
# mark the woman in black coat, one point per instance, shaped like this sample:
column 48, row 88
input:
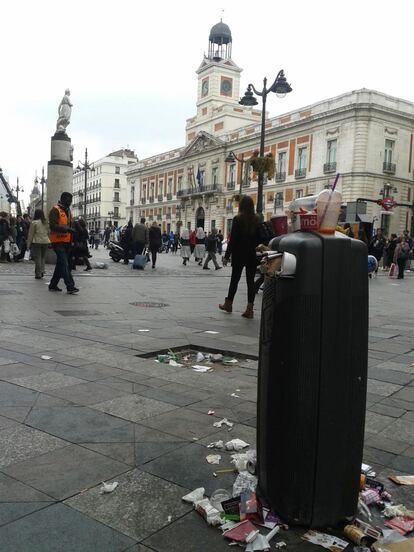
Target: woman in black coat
column 154, row 241
column 244, row 239
column 80, row 245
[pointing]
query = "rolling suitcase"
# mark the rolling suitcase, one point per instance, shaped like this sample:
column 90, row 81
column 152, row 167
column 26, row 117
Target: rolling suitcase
column 139, row 262
column 312, row 381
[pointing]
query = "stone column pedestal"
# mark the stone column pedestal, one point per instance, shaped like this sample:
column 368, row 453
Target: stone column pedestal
column 59, row 174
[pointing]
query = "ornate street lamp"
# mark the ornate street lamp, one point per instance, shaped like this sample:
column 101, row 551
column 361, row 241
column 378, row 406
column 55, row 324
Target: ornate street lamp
column 280, row 87
column 232, row 158
column 42, row 183
column 85, row 166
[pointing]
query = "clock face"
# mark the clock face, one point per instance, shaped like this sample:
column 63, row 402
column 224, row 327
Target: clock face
column 204, row 87
column 226, row 86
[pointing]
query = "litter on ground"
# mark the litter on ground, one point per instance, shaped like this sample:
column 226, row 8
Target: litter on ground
column 108, row 487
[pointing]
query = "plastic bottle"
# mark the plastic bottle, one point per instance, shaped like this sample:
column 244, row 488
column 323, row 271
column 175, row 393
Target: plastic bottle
column 303, row 204
column 328, row 206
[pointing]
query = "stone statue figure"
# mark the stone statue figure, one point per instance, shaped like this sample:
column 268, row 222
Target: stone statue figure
column 65, row 111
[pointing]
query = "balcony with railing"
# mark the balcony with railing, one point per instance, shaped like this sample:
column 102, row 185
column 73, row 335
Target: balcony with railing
column 200, row 190
column 246, row 183
column 159, row 217
column 150, row 217
column 300, row 173
column 160, row 197
column 131, row 202
column 329, row 167
column 280, row 176
column 168, row 216
column 231, row 185
column 143, row 200
column 388, row 168
column 151, row 199
column 115, row 199
column 229, row 208
column 169, row 196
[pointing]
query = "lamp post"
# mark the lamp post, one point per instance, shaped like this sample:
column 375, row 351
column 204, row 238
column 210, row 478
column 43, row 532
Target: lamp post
column 280, row 87
column 85, row 166
column 18, row 189
column 42, row 183
column 110, row 215
column 231, row 158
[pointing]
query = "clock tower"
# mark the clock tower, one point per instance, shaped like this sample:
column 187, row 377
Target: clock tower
column 218, row 91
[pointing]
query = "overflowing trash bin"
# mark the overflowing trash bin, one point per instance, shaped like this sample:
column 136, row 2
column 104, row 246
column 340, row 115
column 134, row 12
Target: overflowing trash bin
column 312, row 379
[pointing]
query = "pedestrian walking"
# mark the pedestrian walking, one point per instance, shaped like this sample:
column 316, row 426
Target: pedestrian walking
column 107, row 236
column 390, row 250
column 60, row 222
column 220, row 242
column 211, row 249
column 126, row 241
column 193, row 240
column 139, row 237
column 4, row 237
column 154, row 238
column 38, row 240
column 242, row 248
column 175, row 243
column 200, row 247
column 402, row 252
column 185, row 246
column 80, row 250
column 377, row 245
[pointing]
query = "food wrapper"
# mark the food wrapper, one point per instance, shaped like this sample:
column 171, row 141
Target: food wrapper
column 241, row 531
column 334, row 544
column 250, row 507
column 208, row 512
column 402, row 524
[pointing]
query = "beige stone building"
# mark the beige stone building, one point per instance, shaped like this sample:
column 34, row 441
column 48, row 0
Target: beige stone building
column 106, row 195
column 364, row 135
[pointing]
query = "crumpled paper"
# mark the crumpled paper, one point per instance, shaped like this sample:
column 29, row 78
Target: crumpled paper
column 223, row 422
column 213, row 458
column 108, row 487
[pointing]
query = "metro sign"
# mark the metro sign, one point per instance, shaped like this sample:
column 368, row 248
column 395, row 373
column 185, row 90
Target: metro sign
column 387, row 203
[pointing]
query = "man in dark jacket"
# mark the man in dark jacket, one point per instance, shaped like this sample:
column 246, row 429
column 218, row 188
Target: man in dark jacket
column 139, row 237
column 60, row 222
column 377, row 245
column 211, row 248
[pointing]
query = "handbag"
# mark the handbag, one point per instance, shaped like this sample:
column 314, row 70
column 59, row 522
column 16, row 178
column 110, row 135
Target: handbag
column 393, row 271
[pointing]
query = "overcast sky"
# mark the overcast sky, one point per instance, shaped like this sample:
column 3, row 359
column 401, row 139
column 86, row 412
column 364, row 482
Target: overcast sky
column 131, row 65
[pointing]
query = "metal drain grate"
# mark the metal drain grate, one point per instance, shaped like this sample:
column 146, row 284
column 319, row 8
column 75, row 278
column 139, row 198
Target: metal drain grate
column 77, row 312
column 149, row 304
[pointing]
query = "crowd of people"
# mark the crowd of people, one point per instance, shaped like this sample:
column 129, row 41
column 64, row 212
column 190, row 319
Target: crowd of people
column 396, row 250
column 71, row 241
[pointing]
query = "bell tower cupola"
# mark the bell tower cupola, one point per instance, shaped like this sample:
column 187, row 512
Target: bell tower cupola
column 219, row 42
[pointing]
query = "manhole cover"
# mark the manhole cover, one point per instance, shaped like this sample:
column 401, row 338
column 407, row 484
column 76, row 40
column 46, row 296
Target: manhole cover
column 10, row 292
column 77, row 313
column 148, row 304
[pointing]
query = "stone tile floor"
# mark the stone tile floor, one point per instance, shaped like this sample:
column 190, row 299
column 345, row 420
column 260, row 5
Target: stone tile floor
column 95, row 411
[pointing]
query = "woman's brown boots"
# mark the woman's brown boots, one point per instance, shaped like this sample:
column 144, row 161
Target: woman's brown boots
column 248, row 313
column 227, row 305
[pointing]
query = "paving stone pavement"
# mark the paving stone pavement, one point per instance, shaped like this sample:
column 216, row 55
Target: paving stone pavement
column 100, row 409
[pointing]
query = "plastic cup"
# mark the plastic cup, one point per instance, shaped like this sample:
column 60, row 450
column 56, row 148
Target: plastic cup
column 279, row 224
column 328, row 207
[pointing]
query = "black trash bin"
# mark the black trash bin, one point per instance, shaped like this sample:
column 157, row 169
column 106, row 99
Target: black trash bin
column 312, row 381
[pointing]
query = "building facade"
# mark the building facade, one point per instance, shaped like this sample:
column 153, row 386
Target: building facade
column 106, row 193
column 6, row 194
column 364, row 135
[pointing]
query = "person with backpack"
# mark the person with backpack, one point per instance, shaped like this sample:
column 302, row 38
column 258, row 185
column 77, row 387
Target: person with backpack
column 401, row 255
column 242, row 247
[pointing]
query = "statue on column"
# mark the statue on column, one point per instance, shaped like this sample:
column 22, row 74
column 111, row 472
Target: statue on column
column 65, row 111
